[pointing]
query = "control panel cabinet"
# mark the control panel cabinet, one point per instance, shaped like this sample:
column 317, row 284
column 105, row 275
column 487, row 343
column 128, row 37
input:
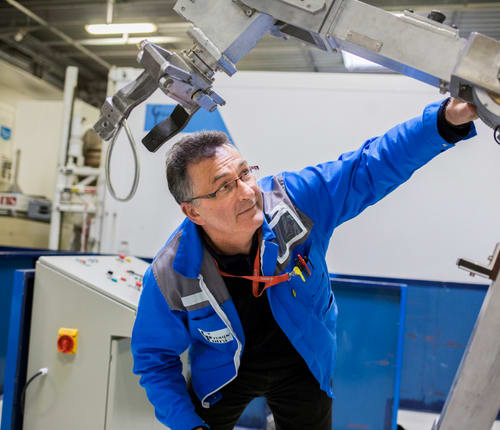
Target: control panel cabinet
column 83, row 313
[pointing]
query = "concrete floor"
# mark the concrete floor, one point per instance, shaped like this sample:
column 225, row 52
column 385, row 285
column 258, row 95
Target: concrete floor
column 422, row 421
column 408, row 419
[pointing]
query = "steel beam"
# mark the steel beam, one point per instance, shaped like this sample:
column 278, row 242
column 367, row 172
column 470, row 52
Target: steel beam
column 474, row 399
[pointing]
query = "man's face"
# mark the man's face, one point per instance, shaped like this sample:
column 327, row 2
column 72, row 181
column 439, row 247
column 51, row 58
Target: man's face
column 237, row 212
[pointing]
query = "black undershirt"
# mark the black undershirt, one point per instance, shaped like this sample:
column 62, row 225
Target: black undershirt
column 266, row 346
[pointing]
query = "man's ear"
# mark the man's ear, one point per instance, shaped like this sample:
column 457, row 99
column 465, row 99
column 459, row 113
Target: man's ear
column 192, row 213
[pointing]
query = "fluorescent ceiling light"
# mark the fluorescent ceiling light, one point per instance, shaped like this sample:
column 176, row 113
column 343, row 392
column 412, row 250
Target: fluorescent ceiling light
column 127, row 41
column 139, row 27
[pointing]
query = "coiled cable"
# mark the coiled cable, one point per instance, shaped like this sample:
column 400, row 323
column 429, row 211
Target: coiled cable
column 137, row 167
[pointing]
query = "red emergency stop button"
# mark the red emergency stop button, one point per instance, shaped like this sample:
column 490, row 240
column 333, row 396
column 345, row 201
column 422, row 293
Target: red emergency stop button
column 67, row 340
column 65, row 344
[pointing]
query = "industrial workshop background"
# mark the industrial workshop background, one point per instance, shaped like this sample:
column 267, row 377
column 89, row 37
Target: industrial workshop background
column 290, row 105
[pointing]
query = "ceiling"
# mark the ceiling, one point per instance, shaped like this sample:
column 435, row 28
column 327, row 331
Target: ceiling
column 27, row 42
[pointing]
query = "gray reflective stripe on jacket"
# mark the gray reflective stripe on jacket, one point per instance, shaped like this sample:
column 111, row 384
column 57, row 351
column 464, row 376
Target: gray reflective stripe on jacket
column 183, row 293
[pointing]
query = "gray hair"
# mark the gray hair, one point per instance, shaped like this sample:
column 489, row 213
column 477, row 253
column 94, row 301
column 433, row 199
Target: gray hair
column 192, row 148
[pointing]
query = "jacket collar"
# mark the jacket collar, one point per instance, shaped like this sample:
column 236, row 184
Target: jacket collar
column 268, row 249
column 189, row 257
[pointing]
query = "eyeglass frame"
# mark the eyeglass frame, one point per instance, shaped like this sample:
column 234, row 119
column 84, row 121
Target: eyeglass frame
column 213, row 195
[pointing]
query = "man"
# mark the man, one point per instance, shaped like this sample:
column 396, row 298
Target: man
column 243, row 281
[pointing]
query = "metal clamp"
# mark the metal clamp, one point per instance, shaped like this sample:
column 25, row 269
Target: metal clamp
column 491, row 271
column 177, row 78
column 117, row 108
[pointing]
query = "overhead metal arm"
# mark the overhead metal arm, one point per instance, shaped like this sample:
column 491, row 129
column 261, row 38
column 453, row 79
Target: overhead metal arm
column 224, row 31
column 418, row 47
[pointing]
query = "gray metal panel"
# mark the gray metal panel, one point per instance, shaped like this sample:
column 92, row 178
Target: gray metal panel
column 409, row 44
column 127, row 405
column 209, row 15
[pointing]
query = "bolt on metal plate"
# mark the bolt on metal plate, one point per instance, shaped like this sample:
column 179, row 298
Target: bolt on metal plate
column 312, row 6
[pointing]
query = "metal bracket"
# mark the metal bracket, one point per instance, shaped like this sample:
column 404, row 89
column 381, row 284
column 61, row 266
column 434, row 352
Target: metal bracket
column 312, row 6
column 491, row 271
column 248, row 10
column 118, row 107
column 478, row 49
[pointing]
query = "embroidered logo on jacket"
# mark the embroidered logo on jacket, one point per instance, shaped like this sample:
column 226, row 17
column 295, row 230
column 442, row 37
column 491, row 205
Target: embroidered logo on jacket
column 218, row 336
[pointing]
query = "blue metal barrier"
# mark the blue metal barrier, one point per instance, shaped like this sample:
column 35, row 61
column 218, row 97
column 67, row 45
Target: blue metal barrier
column 18, row 346
column 439, row 319
column 370, row 332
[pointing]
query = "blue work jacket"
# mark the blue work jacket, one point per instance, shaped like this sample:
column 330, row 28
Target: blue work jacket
column 185, row 304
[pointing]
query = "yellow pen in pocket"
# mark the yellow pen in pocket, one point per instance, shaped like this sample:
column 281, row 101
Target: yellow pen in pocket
column 297, row 271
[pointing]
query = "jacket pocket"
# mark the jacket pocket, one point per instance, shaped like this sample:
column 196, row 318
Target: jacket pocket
column 330, row 313
column 331, row 306
column 209, row 329
column 310, row 288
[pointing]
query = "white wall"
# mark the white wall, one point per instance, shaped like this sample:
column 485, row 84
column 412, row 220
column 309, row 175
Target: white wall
column 284, row 121
column 38, row 128
column 15, row 86
column 38, row 110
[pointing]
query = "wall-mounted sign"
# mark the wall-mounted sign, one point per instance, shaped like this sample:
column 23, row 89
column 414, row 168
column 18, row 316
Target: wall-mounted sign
column 5, row 132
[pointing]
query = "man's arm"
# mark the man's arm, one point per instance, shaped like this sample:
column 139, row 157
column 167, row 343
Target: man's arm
column 334, row 192
column 159, row 338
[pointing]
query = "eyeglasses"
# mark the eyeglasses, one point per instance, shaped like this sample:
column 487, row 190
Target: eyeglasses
column 248, row 176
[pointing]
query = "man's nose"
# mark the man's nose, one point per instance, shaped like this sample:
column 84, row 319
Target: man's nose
column 244, row 189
